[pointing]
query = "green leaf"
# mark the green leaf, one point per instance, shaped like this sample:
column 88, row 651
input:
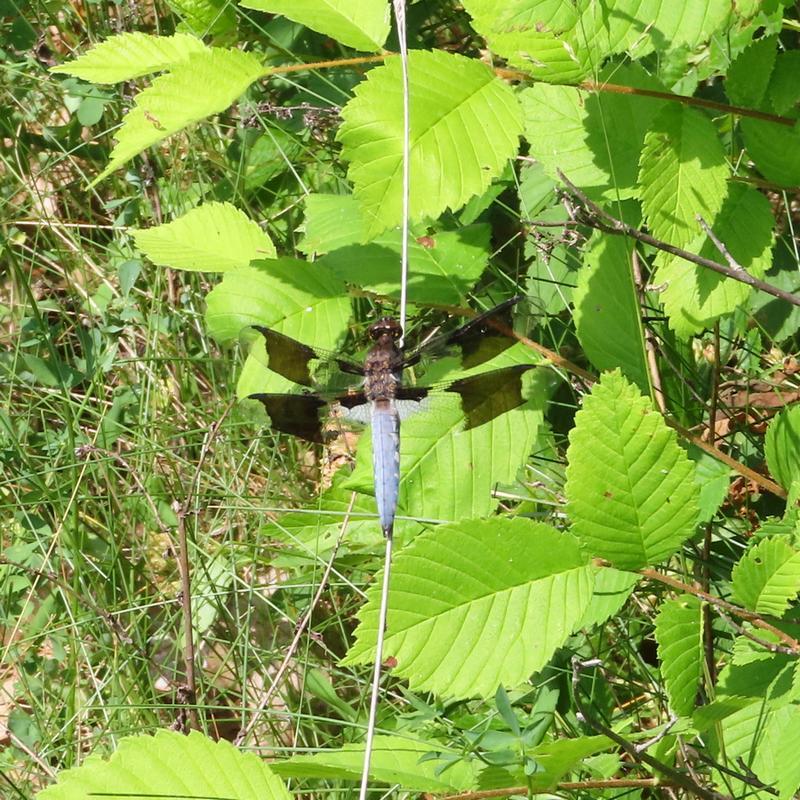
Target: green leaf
column 713, row 479
column 612, row 588
column 594, row 138
column 767, row 577
column 311, row 534
column 205, row 83
column 130, row 55
column 775, row 150
column 448, row 473
column 170, row 764
column 748, row 77
column 683, row 172
column 546, row 39
column 782, row 446
column 443, row 265
column 679, row 633
column 478, row 604
column 630, row 487
column 332, row 221
column 608, row 315
column 302, row 300
column 214, row 237
column 363, row 25
column 395, row 760
column 465, row 125
column 695, row 297
column 206, row 17
column 765, row 741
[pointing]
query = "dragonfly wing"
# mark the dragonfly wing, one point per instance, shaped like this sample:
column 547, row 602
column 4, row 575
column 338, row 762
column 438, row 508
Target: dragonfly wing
column 297, row 361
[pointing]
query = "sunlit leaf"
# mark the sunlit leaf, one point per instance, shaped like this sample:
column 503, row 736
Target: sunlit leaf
column 630, row 488
column 679, row 633
column 214, row 237
column 782, row 446
column 130, row 55
column 683, row 173
column 363, row 25
column 767, row 577
column 203, row 84
column 465, row 125
column 146, row 766
column 695, row 297
column 478, row 604
column 395, row 760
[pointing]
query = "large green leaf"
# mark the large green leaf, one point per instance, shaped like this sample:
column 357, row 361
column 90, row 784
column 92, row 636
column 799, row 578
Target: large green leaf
column 363, row 25
column 478, row 604
column 448, row 473
column 203, row 84
column 694, row 296
column 170, row 764
column 465, row 125
column 630, row 488
column 767, row 577
column 679, row 633
column 608, row 314
column 395, row 760
column 304, row 301
column 782, row 446
column 130, row 55
column 593, row 138
column 683, row 173
column 214, row 237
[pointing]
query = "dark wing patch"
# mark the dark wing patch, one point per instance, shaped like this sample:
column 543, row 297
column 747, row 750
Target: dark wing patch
column 490, row 394
column 300, row 415
column 477, row 341
column 292, row 359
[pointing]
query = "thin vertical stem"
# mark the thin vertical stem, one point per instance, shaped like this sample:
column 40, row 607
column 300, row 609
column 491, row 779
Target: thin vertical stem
column 376, row 671
column 400, row 16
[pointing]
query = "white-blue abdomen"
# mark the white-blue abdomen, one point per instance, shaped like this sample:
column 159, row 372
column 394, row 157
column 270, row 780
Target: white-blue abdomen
column 386, row 461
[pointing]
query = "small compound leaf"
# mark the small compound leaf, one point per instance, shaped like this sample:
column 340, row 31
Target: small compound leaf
column 465, row 125
column 767, row 577
column 630, row 487
column 363, row 25
column 131, row 55
column 683, row 173
column 146, row 766
column 679, row 634
column 478, row 604
column 213, row 237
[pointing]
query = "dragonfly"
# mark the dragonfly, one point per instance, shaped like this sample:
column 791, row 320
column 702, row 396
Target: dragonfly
column 382, row 396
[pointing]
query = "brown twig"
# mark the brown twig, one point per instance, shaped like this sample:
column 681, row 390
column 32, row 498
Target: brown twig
column 598, row 218
column 187, row 694
column 742, row 613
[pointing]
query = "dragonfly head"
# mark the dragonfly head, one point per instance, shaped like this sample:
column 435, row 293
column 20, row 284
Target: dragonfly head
column 386, row 326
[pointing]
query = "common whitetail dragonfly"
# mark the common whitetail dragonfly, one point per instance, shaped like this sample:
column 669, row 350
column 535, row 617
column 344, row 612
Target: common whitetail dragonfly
column 383, row 399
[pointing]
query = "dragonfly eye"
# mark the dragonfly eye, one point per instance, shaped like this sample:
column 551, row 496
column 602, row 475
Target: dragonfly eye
column 385, row 327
